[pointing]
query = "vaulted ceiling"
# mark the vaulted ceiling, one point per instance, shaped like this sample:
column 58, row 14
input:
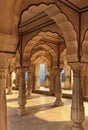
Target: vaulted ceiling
column 45, row 44
column 39, row 16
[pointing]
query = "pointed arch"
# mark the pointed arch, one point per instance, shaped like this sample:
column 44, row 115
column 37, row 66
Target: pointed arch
column 66, row 27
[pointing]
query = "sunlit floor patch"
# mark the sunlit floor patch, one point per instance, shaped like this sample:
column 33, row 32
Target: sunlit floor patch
column 55, row 114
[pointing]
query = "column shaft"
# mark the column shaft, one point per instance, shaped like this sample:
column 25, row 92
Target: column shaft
column 67, row 82
column 51, row 83
column 22, row 94
column 77, row 109
column 58, row 92
column 9, row 83
column 17, row 79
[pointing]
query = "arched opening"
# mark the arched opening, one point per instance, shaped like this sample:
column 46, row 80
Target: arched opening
column 41, row 62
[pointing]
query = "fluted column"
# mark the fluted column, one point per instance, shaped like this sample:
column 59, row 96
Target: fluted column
column 58, row 91
column 22, row 93
column 9, row 85
column 29, row 86
column 77, row 109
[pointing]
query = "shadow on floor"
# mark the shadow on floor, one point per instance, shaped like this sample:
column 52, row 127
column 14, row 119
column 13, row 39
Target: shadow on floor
column 31, row 122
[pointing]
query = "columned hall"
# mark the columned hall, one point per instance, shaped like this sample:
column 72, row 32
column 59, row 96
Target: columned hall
column 43, row 64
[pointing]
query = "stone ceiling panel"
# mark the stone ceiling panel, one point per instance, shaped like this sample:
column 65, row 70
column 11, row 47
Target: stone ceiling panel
column 79, row 3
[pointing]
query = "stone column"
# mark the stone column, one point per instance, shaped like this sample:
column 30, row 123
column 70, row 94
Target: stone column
column 3, row 110
column 52, row 91
column 32, row 77
column 77, row 109
column 9, row 85
column 58, row 92
column 17, row 79
column 29, row 86
column 67, row 83
column 22, row 93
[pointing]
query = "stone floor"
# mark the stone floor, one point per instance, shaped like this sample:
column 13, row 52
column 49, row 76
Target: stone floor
column 42, row 115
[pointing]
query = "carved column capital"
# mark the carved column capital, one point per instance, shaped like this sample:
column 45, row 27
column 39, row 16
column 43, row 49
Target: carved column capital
column 76, row 66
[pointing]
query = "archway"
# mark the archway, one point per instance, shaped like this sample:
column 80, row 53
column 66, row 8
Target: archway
column 66, row 28
column 37, row 42
column 38, row 58
column 41, row 72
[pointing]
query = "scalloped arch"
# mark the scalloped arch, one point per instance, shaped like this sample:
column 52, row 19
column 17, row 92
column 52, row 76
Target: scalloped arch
column 36, row 42
column 66, row 27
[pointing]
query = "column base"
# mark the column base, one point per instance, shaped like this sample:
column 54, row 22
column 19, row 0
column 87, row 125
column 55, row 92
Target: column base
column 77, row 127
column 58, row 103
column 29, row 96
column 22, row 112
